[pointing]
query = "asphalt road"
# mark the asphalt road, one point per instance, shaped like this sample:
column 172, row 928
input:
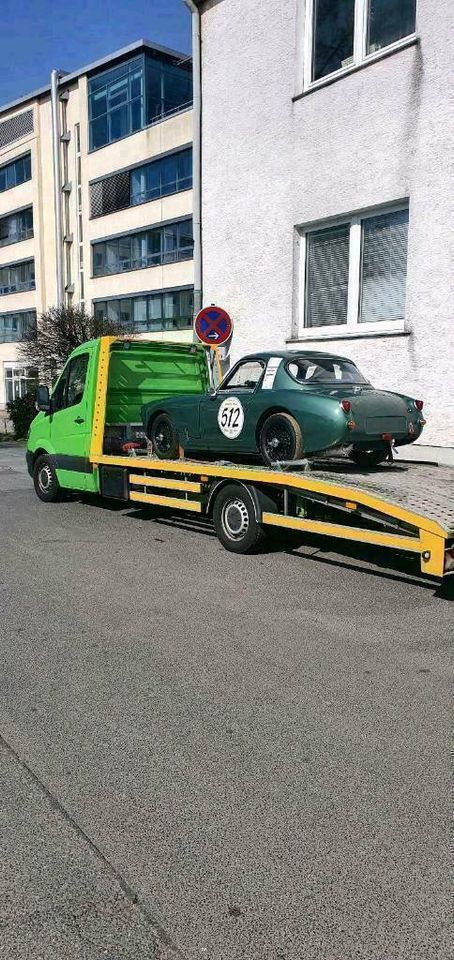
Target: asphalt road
column 213, row 757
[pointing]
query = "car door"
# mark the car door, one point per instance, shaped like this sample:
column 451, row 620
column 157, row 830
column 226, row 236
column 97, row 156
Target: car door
column 228, row 417
column 70, row 430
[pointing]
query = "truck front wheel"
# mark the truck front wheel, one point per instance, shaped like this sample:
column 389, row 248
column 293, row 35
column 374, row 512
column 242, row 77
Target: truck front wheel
column 235, row 521
column 45, row 480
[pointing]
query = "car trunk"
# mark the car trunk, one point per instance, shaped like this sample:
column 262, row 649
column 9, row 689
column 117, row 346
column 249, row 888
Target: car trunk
column 374, row 412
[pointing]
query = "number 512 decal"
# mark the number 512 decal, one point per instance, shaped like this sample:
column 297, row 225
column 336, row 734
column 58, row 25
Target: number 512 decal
column 231, row 417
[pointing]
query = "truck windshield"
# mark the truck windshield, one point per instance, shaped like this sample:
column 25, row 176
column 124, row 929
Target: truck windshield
column 324, row 370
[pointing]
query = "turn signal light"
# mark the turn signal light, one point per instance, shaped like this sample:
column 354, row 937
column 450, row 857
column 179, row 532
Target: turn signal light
column 419, row 404
column 346, row 406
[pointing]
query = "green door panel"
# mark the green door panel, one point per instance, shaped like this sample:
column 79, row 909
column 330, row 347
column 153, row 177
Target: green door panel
column 70, row 422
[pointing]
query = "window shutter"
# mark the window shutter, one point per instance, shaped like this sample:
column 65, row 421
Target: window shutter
column 16, row 127
column 384, row 267
column 327, row 277
column 110, row 194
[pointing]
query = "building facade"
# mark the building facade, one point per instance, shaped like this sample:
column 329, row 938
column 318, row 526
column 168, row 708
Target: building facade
column 326, row 184
column 107, row 221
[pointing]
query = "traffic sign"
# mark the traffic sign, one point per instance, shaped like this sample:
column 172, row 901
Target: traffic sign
column 213, row 326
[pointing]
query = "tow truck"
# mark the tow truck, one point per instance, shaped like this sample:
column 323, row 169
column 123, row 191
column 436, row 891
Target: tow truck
column 88, row 438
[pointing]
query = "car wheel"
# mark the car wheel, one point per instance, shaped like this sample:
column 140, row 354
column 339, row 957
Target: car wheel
column 45, row 480
column 280, row 439
column 235, row 520
column 368, row 458
column 164, row 438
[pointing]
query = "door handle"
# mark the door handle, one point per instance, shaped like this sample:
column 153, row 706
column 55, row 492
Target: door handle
column 79, row 420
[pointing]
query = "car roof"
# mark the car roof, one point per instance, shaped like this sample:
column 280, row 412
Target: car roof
column 293, row 354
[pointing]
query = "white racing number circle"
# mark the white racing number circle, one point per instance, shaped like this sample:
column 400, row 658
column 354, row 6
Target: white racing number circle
column 231, row 417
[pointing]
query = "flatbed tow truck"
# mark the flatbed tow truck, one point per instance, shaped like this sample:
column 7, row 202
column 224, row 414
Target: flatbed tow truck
column 405, row 507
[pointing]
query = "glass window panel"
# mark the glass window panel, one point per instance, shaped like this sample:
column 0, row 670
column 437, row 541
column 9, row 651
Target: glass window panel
column 111, row 256
column 99, row 132
column 169, row 175
column 171, row 304
column 154, row 90
column 170, row 237
column 384, row 267
column 2, row 179
column 155, row 246
column 155, row 308
column 124, row 253
column 333, row 36
column 177, row 88
column 389, row 21
column 99, row 259
column 100, row 310
column 138, row 185
column 118, row 93
column 137, row 115
column 184, row 170
column 327, row 276
column 186, row 242
column 118, row 123
column 140, row 314
column 98, row 104
column 125, row 311
column 137, row 83
column 113, row 311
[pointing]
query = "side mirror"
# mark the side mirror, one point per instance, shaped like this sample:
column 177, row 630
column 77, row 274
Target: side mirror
column 213, row 393
column 42, row 399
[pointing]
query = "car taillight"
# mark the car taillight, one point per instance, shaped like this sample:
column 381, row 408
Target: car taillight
column 346, row 406
column 419, row 404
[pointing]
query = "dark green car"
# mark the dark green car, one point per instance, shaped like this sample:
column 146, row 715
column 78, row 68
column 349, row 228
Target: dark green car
column 283, row 407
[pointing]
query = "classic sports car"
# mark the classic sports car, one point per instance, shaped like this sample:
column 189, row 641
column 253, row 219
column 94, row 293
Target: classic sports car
column 285, row 406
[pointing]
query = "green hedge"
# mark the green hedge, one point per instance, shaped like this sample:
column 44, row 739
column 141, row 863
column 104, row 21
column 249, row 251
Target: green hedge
column 22, row 411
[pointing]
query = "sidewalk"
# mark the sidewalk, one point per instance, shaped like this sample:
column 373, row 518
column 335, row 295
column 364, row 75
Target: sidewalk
column 444, row 456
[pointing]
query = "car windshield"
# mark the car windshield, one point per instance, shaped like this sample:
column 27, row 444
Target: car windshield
column 324, row 370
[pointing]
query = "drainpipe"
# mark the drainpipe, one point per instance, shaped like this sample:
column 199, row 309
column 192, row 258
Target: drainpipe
column 54, row 80
column 197, row 152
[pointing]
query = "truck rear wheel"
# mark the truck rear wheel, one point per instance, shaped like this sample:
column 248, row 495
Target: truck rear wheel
column 47, row 487
column 235, row 520
column 164, row 438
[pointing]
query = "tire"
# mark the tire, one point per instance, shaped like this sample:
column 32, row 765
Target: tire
column 235, row 520
column 280, row 439
column 164, row 438
column 47, row 487
column 368, row 458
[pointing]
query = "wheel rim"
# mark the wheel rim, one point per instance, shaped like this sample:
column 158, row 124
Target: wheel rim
column 45, row 478
column 163, row 436
column 235, row 519
column 278, row 441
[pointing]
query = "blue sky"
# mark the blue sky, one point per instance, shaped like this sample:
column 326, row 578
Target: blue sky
column 38, row 35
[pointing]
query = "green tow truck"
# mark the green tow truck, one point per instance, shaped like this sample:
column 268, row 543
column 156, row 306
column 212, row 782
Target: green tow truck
column 88, row 437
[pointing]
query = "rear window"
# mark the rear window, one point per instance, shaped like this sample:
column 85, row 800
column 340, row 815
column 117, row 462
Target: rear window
column 324, row 370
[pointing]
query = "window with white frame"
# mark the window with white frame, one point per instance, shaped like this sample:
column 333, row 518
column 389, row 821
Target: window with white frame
column 18, row 381
column 340, row 34
column 353, row 275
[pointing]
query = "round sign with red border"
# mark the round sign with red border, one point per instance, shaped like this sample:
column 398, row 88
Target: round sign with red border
column 213, row 326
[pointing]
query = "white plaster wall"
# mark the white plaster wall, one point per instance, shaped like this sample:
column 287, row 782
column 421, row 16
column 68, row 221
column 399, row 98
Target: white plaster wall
column 269, row 163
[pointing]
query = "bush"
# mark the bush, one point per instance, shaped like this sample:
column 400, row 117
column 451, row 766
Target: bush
column 22, row 410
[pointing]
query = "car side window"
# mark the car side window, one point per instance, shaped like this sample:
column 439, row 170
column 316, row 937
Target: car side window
column 76, row 380
column 59, row 393
column 245, row 377
column 71, row 385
